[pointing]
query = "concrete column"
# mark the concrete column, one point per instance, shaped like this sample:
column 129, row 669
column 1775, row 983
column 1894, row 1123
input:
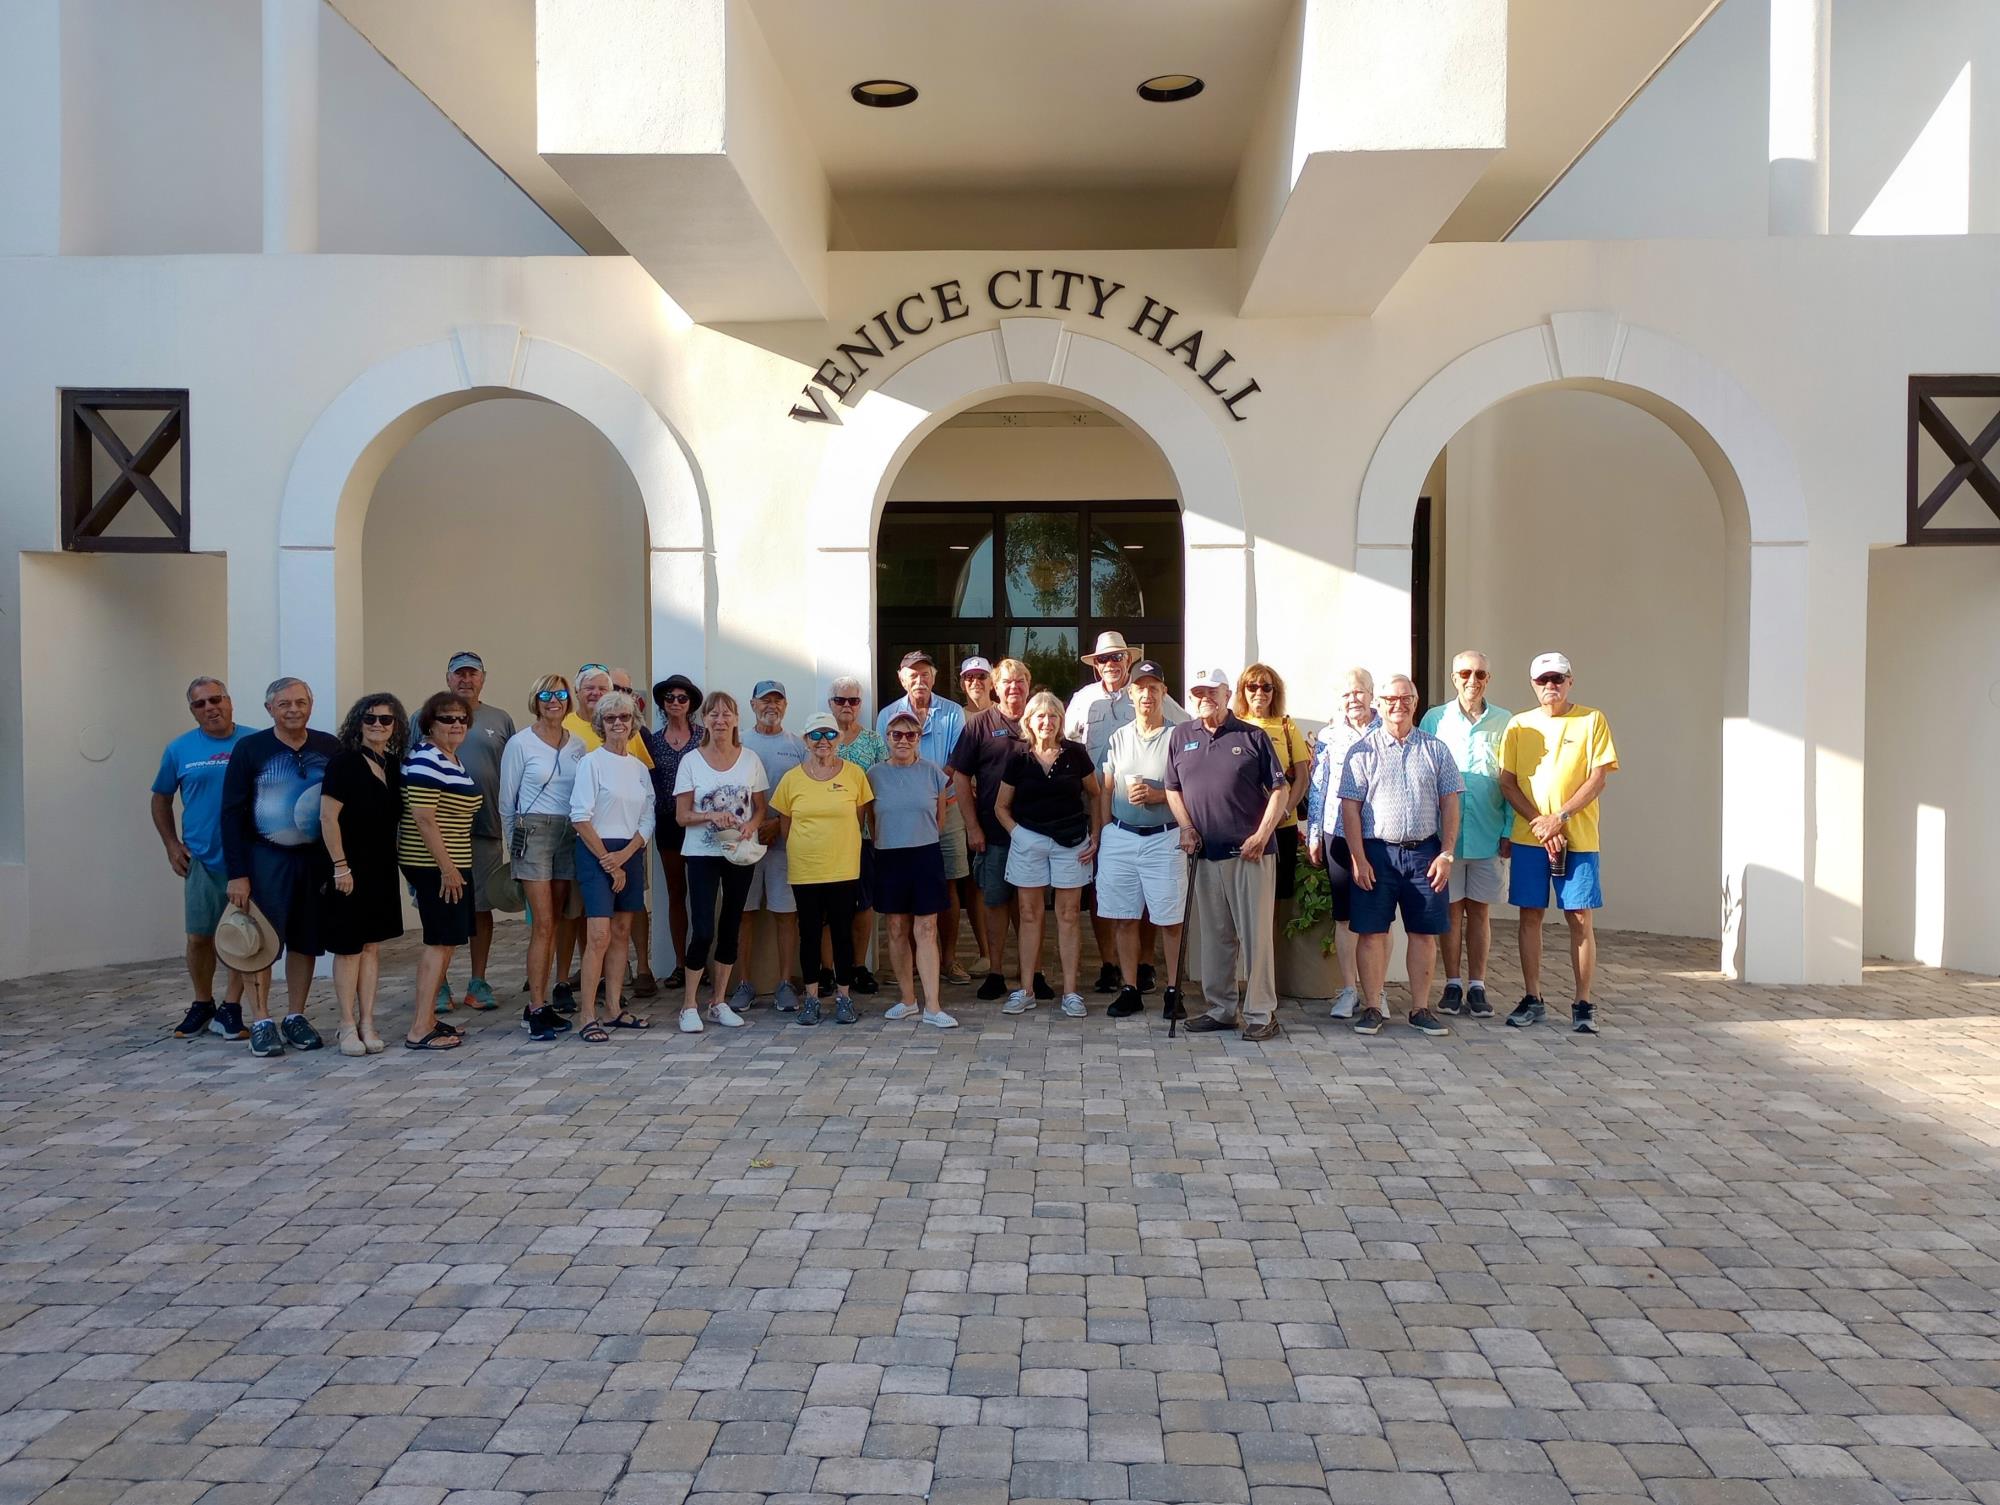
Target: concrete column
column 1216, row 613
column 1801, row 65
column 31, row 125
column 291, row 126
column 843, row 644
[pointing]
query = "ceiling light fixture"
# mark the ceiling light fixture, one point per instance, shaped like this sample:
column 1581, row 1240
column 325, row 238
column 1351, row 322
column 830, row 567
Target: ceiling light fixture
column 1165, row 88
column 886, row 93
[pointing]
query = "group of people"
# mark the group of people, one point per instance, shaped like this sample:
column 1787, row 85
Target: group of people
column 998, row 810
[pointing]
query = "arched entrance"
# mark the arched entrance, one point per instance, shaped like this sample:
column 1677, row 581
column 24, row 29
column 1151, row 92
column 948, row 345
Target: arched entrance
column 350, row 445
column 1034, row 357
column 1764, row 819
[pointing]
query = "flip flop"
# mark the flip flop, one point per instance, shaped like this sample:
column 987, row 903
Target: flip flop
column 594, row 1034
column 431, row 1041
column 629, row 1020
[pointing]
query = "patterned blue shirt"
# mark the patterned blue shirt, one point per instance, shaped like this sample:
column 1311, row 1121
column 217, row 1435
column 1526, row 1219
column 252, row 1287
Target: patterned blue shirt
column 1399, row 784
column 1329, row 750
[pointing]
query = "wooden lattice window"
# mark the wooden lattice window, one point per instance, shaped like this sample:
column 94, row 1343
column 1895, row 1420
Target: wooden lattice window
column 1954, row 493
column 119, row 444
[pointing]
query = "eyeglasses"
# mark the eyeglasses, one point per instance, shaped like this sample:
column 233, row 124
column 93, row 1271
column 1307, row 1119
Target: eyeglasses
column 821, row 736
column 1553, row 679
column 448, row 719
column 675, row 697
column 1399, row 699
column 206, row 701
column 1258, row 688
column 1469, row 673
column 547, row 696
column 844, row 699
column 904, row 736
column 618, row 719
column 371, row 718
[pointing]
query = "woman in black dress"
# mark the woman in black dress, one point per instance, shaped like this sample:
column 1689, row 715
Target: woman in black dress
column 359, row 805
column 677, row 697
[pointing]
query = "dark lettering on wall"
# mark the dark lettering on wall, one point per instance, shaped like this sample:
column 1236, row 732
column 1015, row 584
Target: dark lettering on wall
column 903, row 318
column 993, row 284
column 1102, row 295
column 1068, row 279
column 950, row 296
column 854, row 352
column 1237, row 396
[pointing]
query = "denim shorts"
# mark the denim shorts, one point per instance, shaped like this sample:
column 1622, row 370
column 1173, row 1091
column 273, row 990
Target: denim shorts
column 989, row 870
column 1402, row 881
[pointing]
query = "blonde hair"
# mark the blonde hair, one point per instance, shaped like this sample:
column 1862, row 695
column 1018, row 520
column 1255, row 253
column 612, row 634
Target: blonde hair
column 723, row 700
column 1042, row 700
column 1240, row 704
column 548, row 682
column 1011, row 668
column 613, row 702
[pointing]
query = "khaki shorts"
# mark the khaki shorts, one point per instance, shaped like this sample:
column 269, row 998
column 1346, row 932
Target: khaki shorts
column 493, row 885
column 951, row 841
column 1480, row 879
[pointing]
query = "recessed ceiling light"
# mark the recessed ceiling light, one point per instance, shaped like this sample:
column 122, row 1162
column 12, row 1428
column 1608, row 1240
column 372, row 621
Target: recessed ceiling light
column 887, row 93
column 1165, row 88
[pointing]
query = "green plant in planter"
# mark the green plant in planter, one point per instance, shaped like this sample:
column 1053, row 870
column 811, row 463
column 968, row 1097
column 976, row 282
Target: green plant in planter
column 1312, row 903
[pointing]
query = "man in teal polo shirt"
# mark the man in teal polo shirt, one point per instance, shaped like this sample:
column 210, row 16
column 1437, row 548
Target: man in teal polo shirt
column 1472, row 730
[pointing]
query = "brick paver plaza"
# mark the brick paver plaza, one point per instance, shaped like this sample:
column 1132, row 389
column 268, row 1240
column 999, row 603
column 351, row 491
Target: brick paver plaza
column 1744, row 1247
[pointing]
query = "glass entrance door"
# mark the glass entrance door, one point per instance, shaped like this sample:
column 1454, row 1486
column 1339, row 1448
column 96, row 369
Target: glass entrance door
column 1033, row 581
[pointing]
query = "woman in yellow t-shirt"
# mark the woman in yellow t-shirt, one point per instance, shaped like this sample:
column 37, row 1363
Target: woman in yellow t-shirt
column 819, row 805
column 1260, row 700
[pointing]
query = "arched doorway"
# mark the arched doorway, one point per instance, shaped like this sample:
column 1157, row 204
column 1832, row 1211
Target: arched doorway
column 1761, row 825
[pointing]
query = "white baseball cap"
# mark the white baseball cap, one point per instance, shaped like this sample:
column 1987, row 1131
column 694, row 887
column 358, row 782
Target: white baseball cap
column 1548, row 663
column 1209, row 679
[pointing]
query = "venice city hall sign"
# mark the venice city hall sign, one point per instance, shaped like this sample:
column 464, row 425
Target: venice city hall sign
column 1012, row 290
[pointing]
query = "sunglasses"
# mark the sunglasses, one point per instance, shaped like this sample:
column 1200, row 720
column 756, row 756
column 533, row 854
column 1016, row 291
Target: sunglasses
column 1469, row 673
column 675, row 697
column 546, row 697
column 449, row 719
column 1258, row 688
column 1108, row 658
column 904, row 736
column 371, row 718
column 593, row 669
column 617, row 719
column 821, row 736
column 1399, row 700
column 205, row 702
column 844, row 699
column 1553, row 679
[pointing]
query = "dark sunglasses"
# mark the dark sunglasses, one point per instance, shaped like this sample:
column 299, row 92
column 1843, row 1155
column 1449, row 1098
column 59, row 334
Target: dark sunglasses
column 1108, row 658
column 844, row 699
column 372, row 718
column 904, row 736
column 449, row 720
column 1469, row 673
column 1552, row 679
column 1257, row 688
column 821, row 736
column 546, row 696
column 205, row 702
column 617, row 718
column 676, row 697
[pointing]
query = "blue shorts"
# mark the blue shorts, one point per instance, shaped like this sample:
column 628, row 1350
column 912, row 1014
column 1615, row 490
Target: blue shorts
column 593, row 884
column 1528, row 888
column 989, row 871
column 1402, row 880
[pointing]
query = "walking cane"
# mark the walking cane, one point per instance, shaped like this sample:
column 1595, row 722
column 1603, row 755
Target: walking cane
column 1177, row 1011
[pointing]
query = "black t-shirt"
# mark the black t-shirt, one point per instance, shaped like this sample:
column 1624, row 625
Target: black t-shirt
column 988, row 741
column 1050, row 801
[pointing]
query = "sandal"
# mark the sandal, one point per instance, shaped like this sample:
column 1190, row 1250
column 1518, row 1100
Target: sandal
column 440, row 1038
column 629, row 1020
column 447, row 1029
column 594, row 1034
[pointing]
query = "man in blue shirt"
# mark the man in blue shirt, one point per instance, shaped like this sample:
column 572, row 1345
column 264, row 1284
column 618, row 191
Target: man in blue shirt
column 1471, row 728
column 192, row 766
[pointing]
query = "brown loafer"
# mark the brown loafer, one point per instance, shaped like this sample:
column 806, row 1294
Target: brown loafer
column 645, row 985
column 1205, row 1024
column 1268, row 1030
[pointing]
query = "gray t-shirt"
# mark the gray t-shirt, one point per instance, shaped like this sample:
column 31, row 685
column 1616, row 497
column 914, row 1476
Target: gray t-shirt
column 1133, row 756
column 779, row 752
column 485, row 740
column 906, row 803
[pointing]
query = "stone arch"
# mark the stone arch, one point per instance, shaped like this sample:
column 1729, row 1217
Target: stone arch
column 1032, row 354
column 1766, row 815
column 353, row 440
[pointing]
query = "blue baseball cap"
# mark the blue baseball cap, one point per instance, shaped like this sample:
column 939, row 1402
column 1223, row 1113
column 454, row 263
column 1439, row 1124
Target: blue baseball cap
column 768, row 687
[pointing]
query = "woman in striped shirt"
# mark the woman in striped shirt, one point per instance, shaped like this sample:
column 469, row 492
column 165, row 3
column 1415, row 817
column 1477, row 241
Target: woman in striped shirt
column 434, row 847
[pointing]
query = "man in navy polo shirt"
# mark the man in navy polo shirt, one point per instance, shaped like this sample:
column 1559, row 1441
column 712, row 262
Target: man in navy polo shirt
column 1228, row 792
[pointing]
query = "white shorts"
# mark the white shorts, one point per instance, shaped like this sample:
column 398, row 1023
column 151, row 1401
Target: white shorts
column 1141, row 876
column 1036, row 861
column 771, row 884
column 1480, row 879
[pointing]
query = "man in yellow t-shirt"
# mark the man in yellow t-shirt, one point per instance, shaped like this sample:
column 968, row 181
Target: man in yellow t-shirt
column 1553, row 764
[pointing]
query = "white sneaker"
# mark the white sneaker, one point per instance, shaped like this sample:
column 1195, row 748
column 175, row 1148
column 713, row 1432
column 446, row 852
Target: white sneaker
column 690, row 1022
column 940, row 1020
column 1343, row 1006
column 901, row 1011
column 1018, row 1002
column 723, row 1014
column 1072, row 1006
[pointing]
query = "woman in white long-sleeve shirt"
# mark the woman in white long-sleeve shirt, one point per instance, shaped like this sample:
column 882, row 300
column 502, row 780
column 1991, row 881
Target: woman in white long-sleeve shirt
column 611, row 806
column 537, row 772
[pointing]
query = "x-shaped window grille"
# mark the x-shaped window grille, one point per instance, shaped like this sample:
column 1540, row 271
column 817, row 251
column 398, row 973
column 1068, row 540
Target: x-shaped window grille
column 88, row 433
column 1967, row 460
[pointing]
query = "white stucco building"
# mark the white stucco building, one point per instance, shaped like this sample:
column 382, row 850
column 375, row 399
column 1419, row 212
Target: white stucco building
column 621, row 330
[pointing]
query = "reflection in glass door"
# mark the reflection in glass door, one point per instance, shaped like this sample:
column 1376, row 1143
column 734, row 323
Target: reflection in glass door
column 1037, row 582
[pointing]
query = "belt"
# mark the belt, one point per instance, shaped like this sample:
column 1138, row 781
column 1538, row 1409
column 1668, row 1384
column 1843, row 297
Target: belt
column 1407, row 846
column 1126, row 825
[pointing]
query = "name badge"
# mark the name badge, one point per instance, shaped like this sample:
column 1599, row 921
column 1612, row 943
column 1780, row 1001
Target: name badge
column 1189, row 746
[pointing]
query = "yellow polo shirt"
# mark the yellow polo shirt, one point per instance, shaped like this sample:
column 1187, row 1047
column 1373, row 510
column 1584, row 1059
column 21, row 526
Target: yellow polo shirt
column 825, row 841
column 1291, row 746
column 1551, row 756
column 591, row 741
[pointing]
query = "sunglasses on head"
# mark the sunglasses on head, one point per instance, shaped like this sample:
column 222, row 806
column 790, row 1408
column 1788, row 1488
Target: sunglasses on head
column 449, row 718
column 844, row 699
column 380, row 718
column 547, row 696
column 593, row 669
column 821, row 736
column 206, row 701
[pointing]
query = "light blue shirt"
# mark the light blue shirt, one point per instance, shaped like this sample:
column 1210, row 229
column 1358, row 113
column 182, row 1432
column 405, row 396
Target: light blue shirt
column 1483, row 816
column 1399, row 785
column 1329, row 752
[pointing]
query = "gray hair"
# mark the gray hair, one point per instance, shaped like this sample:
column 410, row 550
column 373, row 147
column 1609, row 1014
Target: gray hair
column 1357, row 672
column 205, row 679
column 592, row 674
column 613, row 702
column 847, row 683
column 1044, row 700
column 1398, row 679
column 284, row 682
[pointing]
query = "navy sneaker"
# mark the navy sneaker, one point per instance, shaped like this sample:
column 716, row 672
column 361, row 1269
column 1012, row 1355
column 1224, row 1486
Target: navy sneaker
column 264, row 1039
column 195, row 1021
column 299, row 1034
column 1043, row 991
column 1453, row 1001
column 563, row 998
column 1583, row 1017
column 545, row 1023
column 1528, row 1011
column 843, row 1010
column 228, row 1022
column 1476, row 1004
column 1370, row 1022
column 1425, row 1022
column 809, row 1010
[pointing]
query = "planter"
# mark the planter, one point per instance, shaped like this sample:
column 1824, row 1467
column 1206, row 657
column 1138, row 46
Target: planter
column 1304, row 970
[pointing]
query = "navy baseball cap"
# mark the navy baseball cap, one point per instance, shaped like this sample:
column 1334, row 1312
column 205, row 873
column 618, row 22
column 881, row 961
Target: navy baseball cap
column 1147, row 668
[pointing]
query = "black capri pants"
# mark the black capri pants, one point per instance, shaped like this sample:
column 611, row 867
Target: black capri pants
column 832, row 906
column 706, row 876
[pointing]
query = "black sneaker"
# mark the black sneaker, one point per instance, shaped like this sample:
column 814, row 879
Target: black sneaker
column 195, row 1021
column 562, row 998
column 1370, row 1022
column 1043, row 992
column 545, row 1023
column 228, row 1022
column 1583, row 1017
column 809, row 1010
column 1128, row 1002
column 1476, row 1004
column 1453, row 1001
column 843, row 1010
column 1425, row 1022
column 865, row 984
column 1145, row 977
column 995, row 986
column 299, row 1034
column 264, row 1039
column 1528, row 1011
column 1170, row 1005
column 1107, row 979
